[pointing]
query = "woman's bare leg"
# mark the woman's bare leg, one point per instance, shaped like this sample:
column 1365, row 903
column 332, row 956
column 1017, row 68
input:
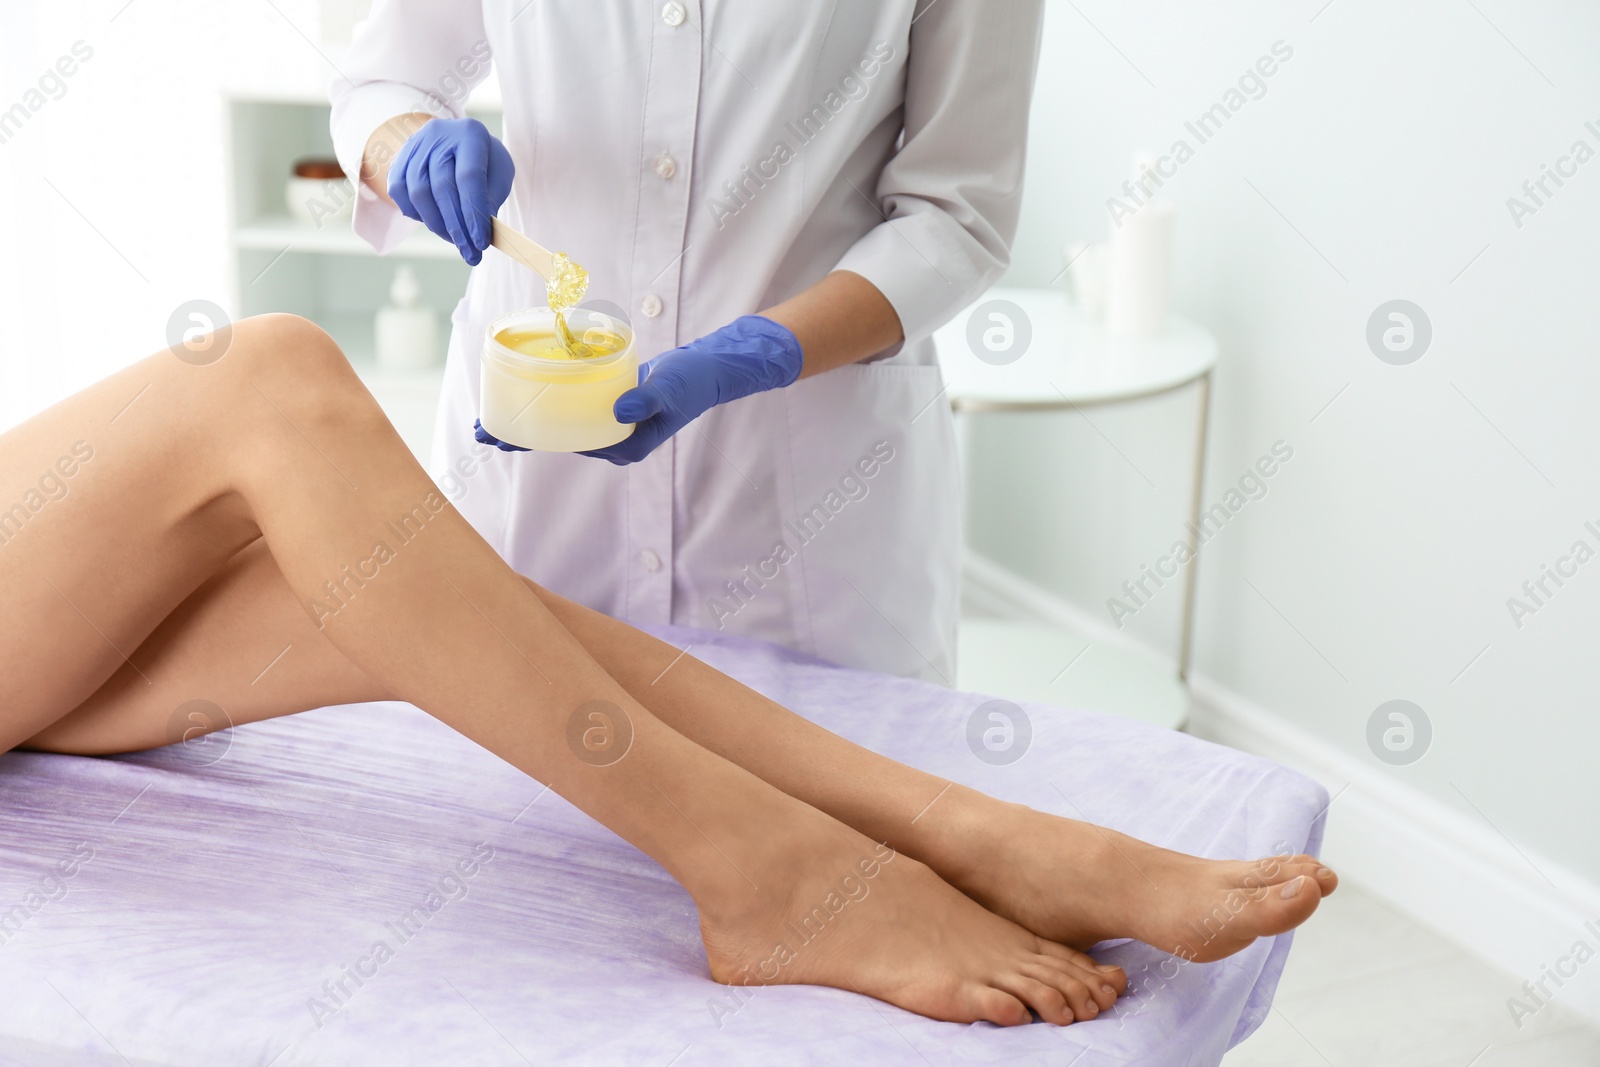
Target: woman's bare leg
column 1063, row 879
column 241, row 642
column 138, row 490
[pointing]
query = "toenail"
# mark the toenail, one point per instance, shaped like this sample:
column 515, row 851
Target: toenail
column 1107, row 989
column 1291, row 888
column 1323, row 872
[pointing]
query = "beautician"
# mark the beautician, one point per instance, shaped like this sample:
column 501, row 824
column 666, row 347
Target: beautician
column 786, row 199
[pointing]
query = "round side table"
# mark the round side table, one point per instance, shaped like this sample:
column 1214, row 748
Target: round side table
column 1026, row 350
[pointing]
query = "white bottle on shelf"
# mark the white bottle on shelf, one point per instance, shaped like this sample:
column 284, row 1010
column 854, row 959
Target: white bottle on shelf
column 1139, row 296
column 407, row 335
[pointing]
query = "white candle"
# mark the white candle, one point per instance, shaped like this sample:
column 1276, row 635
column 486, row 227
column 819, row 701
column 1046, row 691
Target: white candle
column 1140, row 296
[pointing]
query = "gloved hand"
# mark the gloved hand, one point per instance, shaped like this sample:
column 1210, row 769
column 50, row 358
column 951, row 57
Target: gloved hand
column 749, row 355
column 484, row 437
column 452, row 175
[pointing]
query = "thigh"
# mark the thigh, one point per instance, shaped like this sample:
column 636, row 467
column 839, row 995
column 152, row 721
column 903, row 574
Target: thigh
column 239, row 649
column 120, row 501
column 105, row 527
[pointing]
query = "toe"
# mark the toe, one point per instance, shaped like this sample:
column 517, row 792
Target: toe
column 1093, row 979
column 1044, row 997
column 1243, row 915
column 1283, row 907
column 1084, row 993
column 1327, row 881
column 1113, row 976
column 1295, row 866
column 999, row 1007
column 1108, row 974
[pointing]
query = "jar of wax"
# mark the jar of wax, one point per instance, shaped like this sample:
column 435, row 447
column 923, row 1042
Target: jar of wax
column 537, row 395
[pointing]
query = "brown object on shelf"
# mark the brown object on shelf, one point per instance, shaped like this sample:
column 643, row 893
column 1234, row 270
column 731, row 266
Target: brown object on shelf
column 318, row 169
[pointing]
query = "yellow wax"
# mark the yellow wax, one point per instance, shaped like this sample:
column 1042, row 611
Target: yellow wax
column 544, row 344
column 567, row 283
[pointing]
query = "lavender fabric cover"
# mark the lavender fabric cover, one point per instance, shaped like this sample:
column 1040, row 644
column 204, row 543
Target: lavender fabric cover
column 200, row 904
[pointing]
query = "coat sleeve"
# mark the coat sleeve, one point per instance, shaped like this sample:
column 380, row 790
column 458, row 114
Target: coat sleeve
column 409, row 56
column 952, row 193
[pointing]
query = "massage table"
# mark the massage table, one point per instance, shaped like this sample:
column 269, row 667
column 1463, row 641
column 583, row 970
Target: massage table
column 222, row 903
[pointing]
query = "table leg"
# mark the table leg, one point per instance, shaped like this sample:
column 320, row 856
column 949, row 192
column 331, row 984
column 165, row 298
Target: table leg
column 1197, row 487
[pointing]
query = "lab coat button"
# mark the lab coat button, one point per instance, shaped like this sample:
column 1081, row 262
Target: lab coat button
column 673, row 14
column 650, row 305
column 651, row 561
column 666, row 166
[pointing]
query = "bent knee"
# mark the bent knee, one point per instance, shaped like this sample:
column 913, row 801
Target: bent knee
column 287, row 345
column 299, row 369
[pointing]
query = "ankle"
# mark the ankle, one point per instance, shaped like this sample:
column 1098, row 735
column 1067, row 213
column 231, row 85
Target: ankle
column 962, row 837
column 749, row 875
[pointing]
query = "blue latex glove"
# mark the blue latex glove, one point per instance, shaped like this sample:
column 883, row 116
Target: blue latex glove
column 749, row 355
column 452, row 175
column 484, row 437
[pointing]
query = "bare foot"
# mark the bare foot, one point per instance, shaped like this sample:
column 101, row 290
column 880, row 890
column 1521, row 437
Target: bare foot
column 855, row 915
column 1079, row 884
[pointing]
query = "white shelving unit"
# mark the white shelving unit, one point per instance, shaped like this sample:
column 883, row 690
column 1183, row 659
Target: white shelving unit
column 272, row 233
column 325, row 272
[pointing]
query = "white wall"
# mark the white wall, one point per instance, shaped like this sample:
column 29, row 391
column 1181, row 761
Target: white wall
column 1383, row 556
column 113, row 189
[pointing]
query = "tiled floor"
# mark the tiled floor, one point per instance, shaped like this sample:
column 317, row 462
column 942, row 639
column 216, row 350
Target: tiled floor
column 1367, row 987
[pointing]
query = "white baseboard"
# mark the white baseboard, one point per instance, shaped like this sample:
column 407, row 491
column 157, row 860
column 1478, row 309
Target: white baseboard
column 1451, row 872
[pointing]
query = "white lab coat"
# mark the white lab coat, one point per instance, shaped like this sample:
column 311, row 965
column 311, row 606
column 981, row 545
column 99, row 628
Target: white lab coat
column 705, row 159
